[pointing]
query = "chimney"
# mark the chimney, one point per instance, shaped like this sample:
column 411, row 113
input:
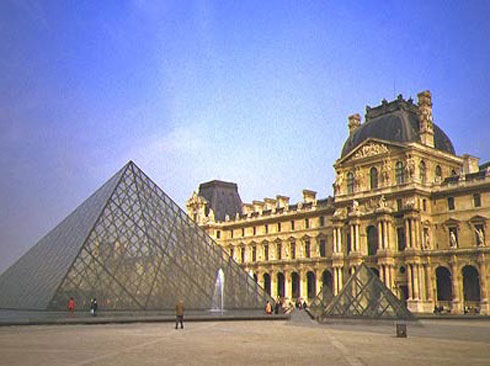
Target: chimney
column 258, row 206
column 425, row 117
column 270, row 203
column 282, row 201
column 308, row 196
column 470, row 164
column 354, row 122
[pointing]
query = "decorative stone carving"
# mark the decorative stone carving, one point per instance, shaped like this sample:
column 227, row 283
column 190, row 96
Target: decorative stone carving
column 453, row 241
column 481, row 236
column 410, row 167
column 370, row 149
column 385, row 172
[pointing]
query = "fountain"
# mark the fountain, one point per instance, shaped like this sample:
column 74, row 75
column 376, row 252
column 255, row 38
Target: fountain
column 218, row 293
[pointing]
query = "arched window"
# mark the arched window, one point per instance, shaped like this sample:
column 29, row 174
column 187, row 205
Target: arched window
column 373, row 175
column 423, row 172
column 399, row 173
column 350, row 183
column 438, row 173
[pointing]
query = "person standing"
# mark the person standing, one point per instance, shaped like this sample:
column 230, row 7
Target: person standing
column 71, row 306
column 93, row 307
column 179, row 311
column 268, row 308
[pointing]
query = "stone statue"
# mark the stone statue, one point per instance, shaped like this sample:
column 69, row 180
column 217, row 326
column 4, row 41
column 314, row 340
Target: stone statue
column 382, row 201
column 453, row 241
column 480, row 235
column 426, row 239
column 410, row 168
column 338, row 183
column 355, row 206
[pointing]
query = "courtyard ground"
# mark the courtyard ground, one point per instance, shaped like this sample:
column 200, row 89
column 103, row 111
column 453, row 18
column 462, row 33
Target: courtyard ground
column 299, row 341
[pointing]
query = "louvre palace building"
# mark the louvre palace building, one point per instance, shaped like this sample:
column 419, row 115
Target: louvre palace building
column 405, row 204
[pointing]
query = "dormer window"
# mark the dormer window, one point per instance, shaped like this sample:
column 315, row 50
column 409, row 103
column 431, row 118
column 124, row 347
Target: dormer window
column 399, row 173
column 438, row 173
column 350, row 183
column 373, row 177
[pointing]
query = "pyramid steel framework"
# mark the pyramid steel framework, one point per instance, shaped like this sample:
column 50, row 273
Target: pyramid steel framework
column 130, row 246
column 363, row 296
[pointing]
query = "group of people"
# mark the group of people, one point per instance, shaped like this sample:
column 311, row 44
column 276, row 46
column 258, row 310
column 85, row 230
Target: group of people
column 279, row 308
column 93, row 306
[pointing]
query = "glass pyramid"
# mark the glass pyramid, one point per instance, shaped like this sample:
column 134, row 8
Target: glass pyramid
column 131, row 247
column 364, row 296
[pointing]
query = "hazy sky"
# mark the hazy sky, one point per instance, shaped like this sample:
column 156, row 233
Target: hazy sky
column 254, row 92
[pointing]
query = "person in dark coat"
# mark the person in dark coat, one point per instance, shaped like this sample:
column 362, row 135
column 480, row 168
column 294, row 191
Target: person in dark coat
column 93, row 306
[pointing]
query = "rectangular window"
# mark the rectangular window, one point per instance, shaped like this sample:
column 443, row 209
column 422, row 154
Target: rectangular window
column 278, row 227
column 231, row 234
column 424, row 205
column 292, row 224
column 322, row 221
column 400, row 233
column 348, row 238
column 266, row 252
column 307, row 223
column 266, row 228
column 450, row 203
column 254, row 253
column 307, row 249
column 323, row 251
column 242, row 255
column 477, row 200
column 279, row 250
column 293, row 250
column 232, row 252
column 218, row 234
column 243, row 231
column 255, row 230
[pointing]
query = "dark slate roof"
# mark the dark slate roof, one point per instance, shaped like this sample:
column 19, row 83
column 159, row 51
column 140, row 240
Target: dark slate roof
column 223, row 198
column 395, row 121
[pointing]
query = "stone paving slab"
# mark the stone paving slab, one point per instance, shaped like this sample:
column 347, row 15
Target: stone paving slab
column 296, row 342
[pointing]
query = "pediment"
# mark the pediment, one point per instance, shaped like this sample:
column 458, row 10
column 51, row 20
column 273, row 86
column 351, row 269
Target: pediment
column 478, row 218
column 371, row 147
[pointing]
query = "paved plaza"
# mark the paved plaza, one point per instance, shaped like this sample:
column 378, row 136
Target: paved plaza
column 298, row 341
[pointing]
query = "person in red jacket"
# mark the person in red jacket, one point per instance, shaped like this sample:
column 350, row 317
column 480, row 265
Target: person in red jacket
column 71, row 305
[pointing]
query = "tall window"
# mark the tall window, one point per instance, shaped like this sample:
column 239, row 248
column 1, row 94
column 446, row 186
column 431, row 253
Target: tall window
column 242, row 255
column 254, row 230
column 477, row 200
column 254, row 253
column 400, row 233
column 322, row 221
column 307, row 223
column 450, row 203
column 243, row 231
column 232, row 252
column 423, row 172
column 293, row 250
column 279, row 251
column 218, row 234
column 323, row 251
column 438, row 173
column 292, row 224
column 399, row 173
column 231, row 233
column 266, row 228
column 266, row 252
column 278, row 227
column 350, row 183
column 307, row 249
column 373, row 175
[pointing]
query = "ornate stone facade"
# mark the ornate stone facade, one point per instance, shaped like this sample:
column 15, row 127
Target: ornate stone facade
column 407, row 206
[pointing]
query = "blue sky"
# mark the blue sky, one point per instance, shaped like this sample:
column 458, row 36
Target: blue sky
column 255, row 92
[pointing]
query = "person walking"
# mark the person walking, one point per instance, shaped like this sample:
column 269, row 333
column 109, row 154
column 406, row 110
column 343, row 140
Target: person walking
column 93, row 307
column 179, row 311
column 71, row 306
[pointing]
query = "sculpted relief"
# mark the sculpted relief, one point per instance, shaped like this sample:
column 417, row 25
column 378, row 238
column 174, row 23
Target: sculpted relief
column 370, row 149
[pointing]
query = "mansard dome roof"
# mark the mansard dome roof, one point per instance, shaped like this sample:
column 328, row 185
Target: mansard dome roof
column 396, row 121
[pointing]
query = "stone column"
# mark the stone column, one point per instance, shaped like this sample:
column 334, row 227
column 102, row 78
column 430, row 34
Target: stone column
column 335, row 250
column 287, row 284
column 318, row 283
column 428, row 283
column 482, row 268
column 456, row 278
column 380, row 234
column 353, row 237
column 303, row 285
column 274, row 293
column 358, row 238
column 415, row 274
column 407, row 233
column 386, row 234
column 409, row 282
